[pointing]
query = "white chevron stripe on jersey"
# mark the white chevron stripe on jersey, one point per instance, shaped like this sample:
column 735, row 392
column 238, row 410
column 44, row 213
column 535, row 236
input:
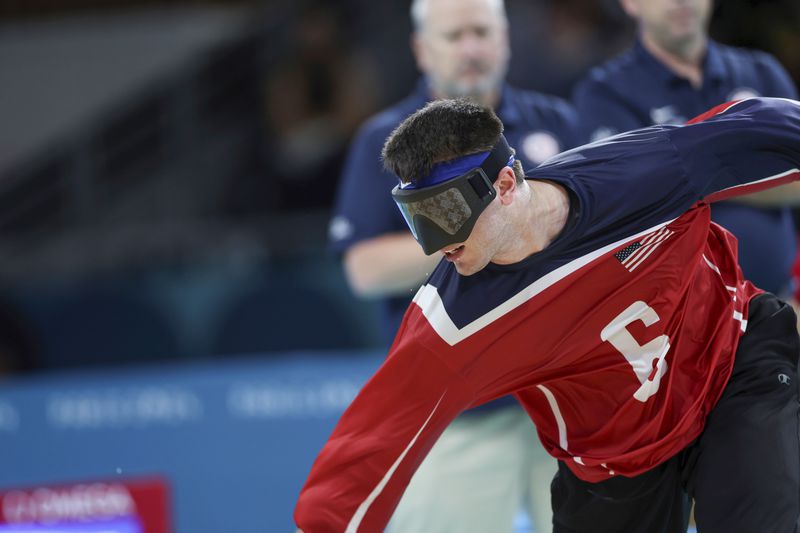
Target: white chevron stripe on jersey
column 432, row 306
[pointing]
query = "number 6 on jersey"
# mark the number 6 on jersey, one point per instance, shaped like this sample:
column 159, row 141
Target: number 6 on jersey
column 642, row 358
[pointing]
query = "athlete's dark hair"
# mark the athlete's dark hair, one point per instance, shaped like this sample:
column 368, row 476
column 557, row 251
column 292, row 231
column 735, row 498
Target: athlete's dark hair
column 441, row 131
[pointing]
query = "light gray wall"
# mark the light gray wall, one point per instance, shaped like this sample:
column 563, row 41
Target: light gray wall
column 57, row 74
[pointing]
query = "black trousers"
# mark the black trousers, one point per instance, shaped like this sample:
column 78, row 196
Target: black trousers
column 743, row 471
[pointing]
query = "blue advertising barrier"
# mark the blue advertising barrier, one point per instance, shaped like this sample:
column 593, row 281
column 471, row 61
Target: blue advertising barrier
column 233, row 439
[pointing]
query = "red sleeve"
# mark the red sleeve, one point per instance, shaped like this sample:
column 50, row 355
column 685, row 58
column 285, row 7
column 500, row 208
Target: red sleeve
column 363, row 469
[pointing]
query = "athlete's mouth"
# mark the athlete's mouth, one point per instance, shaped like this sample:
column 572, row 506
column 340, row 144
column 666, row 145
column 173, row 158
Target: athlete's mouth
column 454, row 252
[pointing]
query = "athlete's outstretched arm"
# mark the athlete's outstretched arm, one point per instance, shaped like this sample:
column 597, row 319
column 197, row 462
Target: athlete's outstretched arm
column 741, row 147
column 363, row 469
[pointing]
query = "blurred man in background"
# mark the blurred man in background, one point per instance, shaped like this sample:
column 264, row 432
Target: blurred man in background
column 489, row 462
column 674, row 72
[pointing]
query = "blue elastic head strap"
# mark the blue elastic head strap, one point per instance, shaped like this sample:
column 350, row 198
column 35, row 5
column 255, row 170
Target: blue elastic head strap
column 441, row 172
column 449, row 169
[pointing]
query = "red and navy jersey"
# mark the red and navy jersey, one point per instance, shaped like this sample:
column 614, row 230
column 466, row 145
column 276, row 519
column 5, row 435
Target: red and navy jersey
column 618, row 338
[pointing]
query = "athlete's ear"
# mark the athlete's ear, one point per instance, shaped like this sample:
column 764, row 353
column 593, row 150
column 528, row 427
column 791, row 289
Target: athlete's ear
column 506, row 185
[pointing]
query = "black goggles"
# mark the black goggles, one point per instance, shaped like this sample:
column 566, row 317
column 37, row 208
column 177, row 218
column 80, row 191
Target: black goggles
column 445, row 212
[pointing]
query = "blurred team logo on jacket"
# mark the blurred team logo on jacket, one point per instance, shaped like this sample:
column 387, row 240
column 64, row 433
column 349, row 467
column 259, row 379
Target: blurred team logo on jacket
column 539, row 146
column 601, row 133
column 340, row 228
column 667, row 114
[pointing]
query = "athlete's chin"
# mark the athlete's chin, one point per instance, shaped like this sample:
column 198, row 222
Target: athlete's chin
column 467, row 269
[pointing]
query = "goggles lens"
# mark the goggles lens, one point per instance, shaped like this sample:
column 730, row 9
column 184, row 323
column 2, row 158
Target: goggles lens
column 449, row 210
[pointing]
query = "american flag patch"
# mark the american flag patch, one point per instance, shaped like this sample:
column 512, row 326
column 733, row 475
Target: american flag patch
column 635, row 253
